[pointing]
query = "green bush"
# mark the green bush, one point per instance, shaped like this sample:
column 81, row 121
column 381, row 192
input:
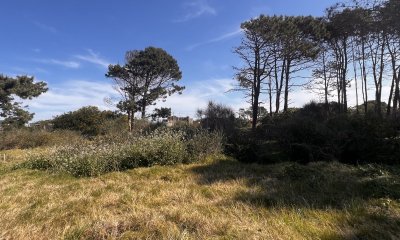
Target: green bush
column 161, row 147
column 89, row 121
column 202, row 144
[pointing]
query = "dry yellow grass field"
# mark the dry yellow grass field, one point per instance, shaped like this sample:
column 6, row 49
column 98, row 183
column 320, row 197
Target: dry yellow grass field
column 217, row 199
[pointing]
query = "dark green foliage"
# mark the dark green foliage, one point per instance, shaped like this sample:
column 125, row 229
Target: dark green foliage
column 309, row 136
column 23, row 87
column 251, row 147
column 301, row 153
column 161, row 113
column 217, row 117
column 313, row 134
column 89, row 121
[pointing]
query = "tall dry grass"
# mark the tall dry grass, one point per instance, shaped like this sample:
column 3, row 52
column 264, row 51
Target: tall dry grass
column 217, row 199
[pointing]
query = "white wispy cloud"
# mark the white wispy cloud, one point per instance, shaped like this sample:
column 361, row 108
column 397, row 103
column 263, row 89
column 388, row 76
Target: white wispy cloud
column 197, row 95
column 197, row 9
column 67, row 64
column 75, row 94
column 70, row 96
column 93, row 57
column 220, row 38
column 45, row 27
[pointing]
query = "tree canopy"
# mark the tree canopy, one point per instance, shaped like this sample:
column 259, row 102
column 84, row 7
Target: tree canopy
column 147, row 76
column 161, row 113
column 23, row 87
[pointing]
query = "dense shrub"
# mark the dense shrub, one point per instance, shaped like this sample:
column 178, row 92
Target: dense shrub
column 217, row 117
column 161, row 147
column 349, row 138
column 89, row 121
column 203, row 143
column 254, row 147
column 320, row 133
column 29, row 138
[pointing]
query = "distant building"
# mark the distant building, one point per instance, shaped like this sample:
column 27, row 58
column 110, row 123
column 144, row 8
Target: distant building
column 42, row 125
column 173, row 120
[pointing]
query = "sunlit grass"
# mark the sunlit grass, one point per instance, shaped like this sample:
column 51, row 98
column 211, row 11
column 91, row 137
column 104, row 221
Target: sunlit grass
column 217, row 199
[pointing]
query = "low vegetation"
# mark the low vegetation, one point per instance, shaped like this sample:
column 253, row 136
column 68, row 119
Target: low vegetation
column 217, row 199
column 161, row 147
column 28, row 138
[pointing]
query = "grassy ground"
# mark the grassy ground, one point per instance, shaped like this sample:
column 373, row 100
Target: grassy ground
column 219, row 199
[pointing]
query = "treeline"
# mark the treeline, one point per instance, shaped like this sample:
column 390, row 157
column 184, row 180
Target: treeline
column 356, row 43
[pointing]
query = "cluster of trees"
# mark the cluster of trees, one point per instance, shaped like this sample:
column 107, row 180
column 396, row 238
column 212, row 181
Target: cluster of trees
column 357, row 42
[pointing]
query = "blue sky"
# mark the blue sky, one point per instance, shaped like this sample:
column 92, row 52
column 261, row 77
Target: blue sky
column 69, row 44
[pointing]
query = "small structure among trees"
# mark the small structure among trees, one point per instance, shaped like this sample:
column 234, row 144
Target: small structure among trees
column 174, row 120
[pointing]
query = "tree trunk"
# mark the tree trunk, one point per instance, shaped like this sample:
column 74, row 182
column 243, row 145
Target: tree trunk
column 143, row 112
column 270, row 96
column 344, row 75
column 338, row 88
column 326, row 84
column 364, row 76
column 279, row 84
column 256, row 87
column 355, row 77
column 388, row 109
column 396, row 94
column 394, row 89
column 131, row 120
column 255, row 112
column 287, row 76
column 381, row 69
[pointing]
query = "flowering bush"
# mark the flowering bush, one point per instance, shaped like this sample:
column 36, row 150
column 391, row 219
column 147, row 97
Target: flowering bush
column 161, row 147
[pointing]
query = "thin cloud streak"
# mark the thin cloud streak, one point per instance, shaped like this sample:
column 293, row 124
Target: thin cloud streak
column 45, row 27
column 67, row 64
column 217, row 39
column 197, row 9
column 94, row 58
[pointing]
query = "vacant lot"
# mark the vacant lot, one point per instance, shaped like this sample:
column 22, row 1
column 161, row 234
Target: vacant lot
column 218, row 199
